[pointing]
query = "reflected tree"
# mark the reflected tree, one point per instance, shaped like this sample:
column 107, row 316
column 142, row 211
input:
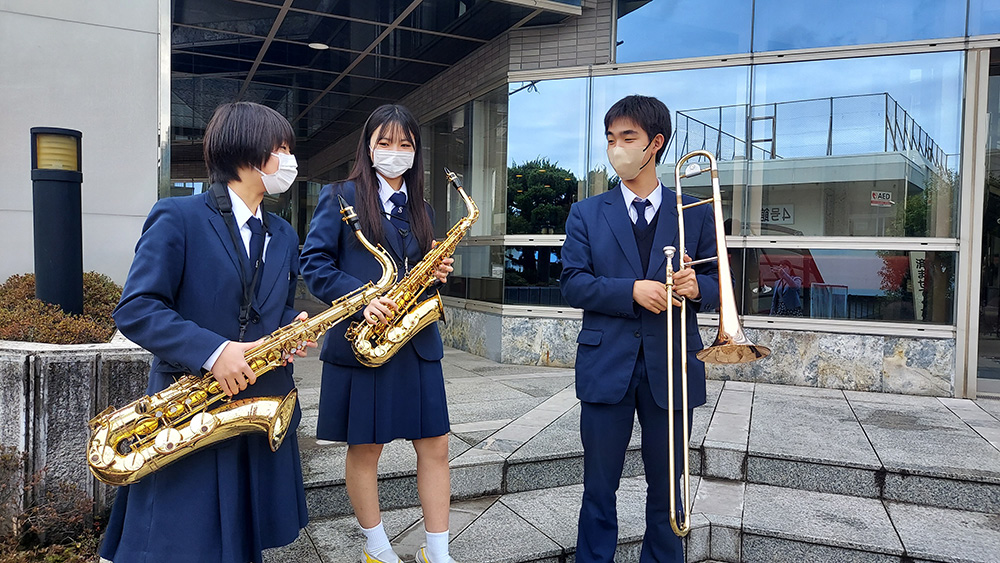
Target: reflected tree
column 539, row 195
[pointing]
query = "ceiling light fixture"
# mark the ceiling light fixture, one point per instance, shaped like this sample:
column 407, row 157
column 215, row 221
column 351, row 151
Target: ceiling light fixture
column 319, row 46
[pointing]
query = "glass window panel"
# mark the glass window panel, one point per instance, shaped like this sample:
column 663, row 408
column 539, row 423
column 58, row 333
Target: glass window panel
column 546, row 148
column 871, row 285
column 793, row 24
column 478, row 274
column 445, row 144
column 486, row 178
column 712, row 119
column 872, row 153
column 531, row 276
column 984, row 17
column 676, row 29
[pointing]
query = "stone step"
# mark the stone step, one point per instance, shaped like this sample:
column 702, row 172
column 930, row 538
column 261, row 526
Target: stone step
column 731, row 522
column 918, row 450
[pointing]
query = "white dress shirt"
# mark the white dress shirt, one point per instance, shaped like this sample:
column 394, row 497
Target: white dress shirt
column 655, row 199
column 385, row 191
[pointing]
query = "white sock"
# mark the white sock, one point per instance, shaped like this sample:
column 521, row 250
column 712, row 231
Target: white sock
column 437, row 547
column 378, row 543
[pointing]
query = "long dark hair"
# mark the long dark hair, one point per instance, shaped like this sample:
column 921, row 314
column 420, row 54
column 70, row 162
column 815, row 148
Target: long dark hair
column 398, row 120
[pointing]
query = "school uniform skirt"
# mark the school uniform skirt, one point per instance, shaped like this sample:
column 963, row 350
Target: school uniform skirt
column 223, row 504
column 403, row 398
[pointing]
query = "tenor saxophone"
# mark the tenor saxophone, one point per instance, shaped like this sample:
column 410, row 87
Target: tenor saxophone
column 131, row 442
column 373, row 345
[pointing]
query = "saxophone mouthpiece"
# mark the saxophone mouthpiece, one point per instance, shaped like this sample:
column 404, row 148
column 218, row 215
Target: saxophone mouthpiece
column 453, row 178
column 350, row 217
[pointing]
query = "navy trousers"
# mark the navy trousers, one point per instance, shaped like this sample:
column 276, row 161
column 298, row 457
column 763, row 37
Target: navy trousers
column 606, row 430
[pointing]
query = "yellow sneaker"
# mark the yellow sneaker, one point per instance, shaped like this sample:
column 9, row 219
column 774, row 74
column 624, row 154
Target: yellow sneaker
column 369, row 558
column 421, row 557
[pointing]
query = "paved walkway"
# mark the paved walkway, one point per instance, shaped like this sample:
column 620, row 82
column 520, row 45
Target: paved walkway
column 786, row 474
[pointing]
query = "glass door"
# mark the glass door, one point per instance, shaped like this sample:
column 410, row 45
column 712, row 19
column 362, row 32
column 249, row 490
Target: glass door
column 988, row 371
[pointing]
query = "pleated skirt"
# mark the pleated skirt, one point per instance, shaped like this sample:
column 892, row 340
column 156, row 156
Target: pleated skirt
column 403, row 398
column 221, row 505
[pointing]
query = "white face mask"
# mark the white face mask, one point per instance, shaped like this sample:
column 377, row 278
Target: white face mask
column 282, row 179
column 628, row 162
column 392, row 164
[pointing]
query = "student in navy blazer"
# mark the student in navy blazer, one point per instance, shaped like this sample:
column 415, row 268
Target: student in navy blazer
column 614, row 269
column 182, row 302
column 403, row 398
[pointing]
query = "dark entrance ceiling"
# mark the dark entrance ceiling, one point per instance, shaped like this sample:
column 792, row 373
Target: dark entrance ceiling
column 324, row 64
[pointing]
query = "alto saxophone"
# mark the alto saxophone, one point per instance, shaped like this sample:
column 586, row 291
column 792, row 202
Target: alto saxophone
column 131, row 442
column 374, row 344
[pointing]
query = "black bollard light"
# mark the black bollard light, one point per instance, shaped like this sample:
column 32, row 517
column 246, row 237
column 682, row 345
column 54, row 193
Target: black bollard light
column 56, row 175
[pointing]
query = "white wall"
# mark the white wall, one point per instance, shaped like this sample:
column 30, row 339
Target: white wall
column 90, row 66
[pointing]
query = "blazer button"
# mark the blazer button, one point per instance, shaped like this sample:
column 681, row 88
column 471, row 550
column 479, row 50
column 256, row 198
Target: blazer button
column 638, row 334
column 256, row 318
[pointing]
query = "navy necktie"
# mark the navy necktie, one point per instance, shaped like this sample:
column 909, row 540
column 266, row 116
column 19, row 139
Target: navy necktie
column 398, row 216
column 256, row 244
column 640, row 206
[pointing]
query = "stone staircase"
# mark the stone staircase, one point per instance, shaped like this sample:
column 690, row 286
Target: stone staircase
column 782, row 474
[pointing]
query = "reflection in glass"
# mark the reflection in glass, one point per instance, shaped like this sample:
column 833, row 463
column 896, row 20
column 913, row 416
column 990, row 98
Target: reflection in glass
column 676, row 29
column 873, row 154
column 445, row 144
column 531, row 276
column 793, row 24
column 547, row 131
column 873, row 285
column 478, row 274
column 984, row 17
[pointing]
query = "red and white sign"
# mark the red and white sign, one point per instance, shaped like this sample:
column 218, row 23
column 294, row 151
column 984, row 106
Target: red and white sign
column 882, row 199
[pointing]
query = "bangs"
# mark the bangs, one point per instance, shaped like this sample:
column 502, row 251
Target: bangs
column 243, row 134
column 395, row 130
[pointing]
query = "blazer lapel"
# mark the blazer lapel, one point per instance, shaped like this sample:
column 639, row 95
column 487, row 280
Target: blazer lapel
column 274, row 264
column 666, row 233
column 394, row 239
column 221, row 229
column 621, row 226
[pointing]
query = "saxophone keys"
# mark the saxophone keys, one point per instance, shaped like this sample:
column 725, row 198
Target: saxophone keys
column 101, row 456
column 203, row 423
column 167, row 440
column 410, row 321
column 133, row 461
column 396, row 334
column 146, row 426
column 175, row 410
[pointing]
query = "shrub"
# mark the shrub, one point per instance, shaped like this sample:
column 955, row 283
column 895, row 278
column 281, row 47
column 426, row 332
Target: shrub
column 55, row 529
column 22, row 317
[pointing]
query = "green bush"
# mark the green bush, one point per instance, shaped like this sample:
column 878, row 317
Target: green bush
column 22, row 317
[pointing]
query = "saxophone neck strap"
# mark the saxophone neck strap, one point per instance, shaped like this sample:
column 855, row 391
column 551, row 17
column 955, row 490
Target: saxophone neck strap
column 220, row 194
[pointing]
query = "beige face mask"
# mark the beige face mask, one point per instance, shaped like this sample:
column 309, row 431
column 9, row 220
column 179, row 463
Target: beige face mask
column 628, row 162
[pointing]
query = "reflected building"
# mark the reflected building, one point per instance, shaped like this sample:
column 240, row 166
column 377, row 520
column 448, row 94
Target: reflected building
column 858, row 145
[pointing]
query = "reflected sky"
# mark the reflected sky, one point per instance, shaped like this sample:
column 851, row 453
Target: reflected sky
column 678, row 29
column 794, row 24
column 550, row 119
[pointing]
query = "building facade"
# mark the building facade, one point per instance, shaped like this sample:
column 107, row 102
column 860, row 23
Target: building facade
column 855, row 141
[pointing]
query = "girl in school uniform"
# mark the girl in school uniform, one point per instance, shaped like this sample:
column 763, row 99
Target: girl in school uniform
column 403, row 398
column 182, row 302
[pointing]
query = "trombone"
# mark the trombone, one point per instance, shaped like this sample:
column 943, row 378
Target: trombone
column 731, row 345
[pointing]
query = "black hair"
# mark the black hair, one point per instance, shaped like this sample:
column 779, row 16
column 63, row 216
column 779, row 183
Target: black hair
column 647, row 112
column 243, row 135
column 395, row 120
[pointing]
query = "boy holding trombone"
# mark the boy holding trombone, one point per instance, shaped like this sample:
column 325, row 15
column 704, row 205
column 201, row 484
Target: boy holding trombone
column 614, row 269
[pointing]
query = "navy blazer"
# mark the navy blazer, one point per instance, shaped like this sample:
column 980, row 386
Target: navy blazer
column 182, row 296
column 334, row 264
column 601, row 262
